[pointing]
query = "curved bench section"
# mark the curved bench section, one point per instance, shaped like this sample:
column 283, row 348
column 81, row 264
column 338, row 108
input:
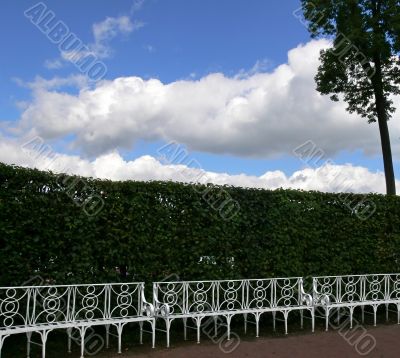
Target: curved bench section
column 199, row 299
column 42, row 309
column 333, row 293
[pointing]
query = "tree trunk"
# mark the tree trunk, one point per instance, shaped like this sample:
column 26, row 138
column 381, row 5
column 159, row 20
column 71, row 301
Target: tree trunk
column 387, row 157
column 383, row 128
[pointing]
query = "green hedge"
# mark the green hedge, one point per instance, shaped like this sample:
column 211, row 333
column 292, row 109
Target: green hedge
column 156, row 229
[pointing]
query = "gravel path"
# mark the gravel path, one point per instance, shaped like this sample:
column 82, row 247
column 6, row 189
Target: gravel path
column 381, row 341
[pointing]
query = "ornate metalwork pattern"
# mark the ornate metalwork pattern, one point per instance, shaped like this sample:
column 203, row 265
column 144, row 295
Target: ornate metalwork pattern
column 350, row 288
column 226, row 298
column 260, row 294
column 325, row 288
column 231, row 295
column 288, row 292
column 51, row 304
column 42, row 309
column 14, row 307
column 353, row 288
column 375, row 287
column 393, row 287
column 228, row 295
column 90, row 302
column 200, row 297
column 172, row 296
column 350, row 291
column 125, row 300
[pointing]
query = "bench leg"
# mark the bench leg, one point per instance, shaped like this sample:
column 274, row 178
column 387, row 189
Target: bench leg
column 245, row 322
column 362, row 314
column 153, row 333
column 69, row 334
column 228, row 323
column 107, row 336
column 215, row 326
column 168, row 326
column 398, row 314
column 185, row 329
column 351, row 316
column 141, row 332
column 120, row 327
column 273, row 321
column 301, row 319
column 257, row 318
column 387, row 312
column 375, row 309
column 82, row 331
column 285, row 315
column 2, row 339
column 326, row 318
column 312, row 310
column 198, row 324
column 44, row 335
column 28, row 343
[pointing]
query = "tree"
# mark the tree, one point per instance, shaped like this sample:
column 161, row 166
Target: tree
column 362, row 66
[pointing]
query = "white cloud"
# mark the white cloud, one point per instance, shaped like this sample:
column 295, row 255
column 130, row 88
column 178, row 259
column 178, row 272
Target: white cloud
column 55, row 83
column 260, row 66
column 261, row 115
column 111, row 27
column 103, row 32
column 106, row 30
column 53, row 64
column 328, row 178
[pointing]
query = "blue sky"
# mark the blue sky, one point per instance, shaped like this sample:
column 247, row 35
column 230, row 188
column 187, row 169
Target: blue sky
column 176, row 41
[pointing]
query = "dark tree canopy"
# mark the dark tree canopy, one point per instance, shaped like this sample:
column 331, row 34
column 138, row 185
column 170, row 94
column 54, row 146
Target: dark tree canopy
column 362, row 67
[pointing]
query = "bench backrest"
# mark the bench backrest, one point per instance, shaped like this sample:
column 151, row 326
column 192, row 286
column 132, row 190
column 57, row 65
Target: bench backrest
column 357, row 288
column 34, row 305
column 186, row 297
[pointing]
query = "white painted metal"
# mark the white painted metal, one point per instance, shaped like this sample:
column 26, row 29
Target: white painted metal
column 351, row 291
column 42, row 309
column 199, row 299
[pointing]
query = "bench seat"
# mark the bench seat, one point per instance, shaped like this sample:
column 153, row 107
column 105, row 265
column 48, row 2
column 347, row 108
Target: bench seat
column 350, row 291
column 199, row 299
column 42, row 309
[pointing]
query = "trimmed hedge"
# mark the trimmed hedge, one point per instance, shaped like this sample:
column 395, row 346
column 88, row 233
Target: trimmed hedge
column 150, row 230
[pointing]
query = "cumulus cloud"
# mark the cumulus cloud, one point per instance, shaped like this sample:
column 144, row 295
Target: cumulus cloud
column 36, row 153
column 256, row 115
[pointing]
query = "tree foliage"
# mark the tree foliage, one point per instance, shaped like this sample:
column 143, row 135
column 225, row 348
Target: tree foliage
column 362, row 66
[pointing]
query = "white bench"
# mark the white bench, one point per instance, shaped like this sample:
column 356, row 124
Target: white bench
column 351, row 291
column 198, row 299
column 42, row 309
